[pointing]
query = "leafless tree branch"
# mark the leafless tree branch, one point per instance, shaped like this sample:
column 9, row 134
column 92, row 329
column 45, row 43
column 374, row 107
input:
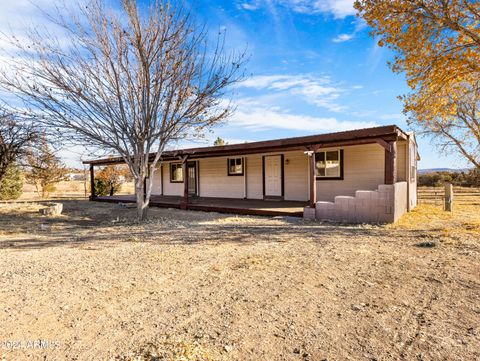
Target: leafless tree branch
column 131, row 81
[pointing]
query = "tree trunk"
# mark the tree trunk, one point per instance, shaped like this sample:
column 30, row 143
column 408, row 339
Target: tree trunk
column 142, row 204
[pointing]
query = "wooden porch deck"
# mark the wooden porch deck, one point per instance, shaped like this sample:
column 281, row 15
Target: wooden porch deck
column 221, row 205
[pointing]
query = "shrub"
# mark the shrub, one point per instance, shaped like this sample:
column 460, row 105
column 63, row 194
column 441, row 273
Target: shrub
column 105, row 188
column 109, row 180
column 470, row 178
column 12, row 184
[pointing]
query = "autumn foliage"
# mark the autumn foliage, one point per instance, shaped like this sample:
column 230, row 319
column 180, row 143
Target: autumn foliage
column 437, row 47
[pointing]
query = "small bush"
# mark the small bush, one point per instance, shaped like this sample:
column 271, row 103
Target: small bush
column 106, row 188
column 12, row 184
column 438, row 179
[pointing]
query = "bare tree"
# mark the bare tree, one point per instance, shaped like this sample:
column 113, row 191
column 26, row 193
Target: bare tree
column 15, row 138
column 131, row 81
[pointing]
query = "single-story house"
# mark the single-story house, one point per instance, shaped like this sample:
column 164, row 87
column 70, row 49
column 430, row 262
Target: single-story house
column 364, row 175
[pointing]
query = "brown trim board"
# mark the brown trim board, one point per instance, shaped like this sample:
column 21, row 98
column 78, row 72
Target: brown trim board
column 352, row 137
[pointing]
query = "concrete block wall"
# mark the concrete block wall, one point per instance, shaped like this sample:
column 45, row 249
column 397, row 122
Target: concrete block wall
column 384, row 205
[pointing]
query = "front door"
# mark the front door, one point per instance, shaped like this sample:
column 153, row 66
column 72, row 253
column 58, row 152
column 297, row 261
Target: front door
column 273, row 176
column 192, row 178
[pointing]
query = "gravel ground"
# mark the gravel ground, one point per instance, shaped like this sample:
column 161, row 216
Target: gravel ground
column 92, row 284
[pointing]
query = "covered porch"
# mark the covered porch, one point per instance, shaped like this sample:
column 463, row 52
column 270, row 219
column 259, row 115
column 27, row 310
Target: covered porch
column 222, row 205
column 276, row 177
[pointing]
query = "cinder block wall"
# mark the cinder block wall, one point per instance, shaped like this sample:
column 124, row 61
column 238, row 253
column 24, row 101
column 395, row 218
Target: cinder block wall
column 384, row 205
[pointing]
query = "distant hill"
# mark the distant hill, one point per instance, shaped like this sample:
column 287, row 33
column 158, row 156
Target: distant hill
column 433, row 170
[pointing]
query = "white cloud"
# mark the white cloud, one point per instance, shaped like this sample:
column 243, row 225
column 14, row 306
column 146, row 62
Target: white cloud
column 396, row 117
column 18, row 19
column 315, row 90
column 254, row 117
column 338, row 8
column 343, row 37
column 359, row 25
column 23, row 14
column 249, row 5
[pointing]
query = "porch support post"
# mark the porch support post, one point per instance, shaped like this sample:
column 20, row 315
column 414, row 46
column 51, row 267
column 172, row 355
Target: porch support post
column 92, row 182
column 184, row 204
column 145, row 188
column 391, row 163
column 161, row 178
column 313, row 180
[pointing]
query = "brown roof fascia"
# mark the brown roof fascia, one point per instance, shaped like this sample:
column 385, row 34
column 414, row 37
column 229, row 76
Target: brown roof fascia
column 351, row 137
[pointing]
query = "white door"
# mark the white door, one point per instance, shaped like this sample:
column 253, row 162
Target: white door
column 273, row 175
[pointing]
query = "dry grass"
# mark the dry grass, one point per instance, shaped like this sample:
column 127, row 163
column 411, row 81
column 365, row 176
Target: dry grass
column 465, row 218
column 205, row 286
column 69, row 189
column 168, row 350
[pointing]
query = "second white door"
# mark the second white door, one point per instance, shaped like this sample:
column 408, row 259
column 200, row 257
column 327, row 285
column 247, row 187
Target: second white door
column 273, row 175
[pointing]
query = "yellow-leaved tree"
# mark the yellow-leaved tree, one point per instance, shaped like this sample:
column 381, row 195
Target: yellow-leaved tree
column 437, row 47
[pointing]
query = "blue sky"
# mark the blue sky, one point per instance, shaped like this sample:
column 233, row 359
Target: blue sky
column 313, row 68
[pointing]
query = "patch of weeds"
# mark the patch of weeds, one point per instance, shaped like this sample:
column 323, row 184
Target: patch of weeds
column 132, row 239
column 471, row 226
column 168, row 351
column 427, row 244
column 252, row 262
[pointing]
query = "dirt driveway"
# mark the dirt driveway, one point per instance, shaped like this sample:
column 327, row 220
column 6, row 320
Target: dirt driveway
column 94, row 285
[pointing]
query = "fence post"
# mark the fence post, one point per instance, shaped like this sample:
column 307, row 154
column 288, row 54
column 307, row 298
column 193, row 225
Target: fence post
column 448, row 197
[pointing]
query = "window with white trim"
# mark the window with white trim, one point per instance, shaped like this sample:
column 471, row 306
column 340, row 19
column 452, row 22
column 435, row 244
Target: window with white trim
column 328, row 164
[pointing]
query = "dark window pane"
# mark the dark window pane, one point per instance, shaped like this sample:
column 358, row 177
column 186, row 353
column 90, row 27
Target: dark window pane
column 332, row 155
column 320, row 157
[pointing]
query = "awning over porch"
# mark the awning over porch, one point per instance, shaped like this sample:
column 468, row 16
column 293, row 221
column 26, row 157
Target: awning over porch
column 382, row 135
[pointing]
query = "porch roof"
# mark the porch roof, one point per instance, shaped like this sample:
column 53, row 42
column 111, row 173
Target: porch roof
column 312, row 142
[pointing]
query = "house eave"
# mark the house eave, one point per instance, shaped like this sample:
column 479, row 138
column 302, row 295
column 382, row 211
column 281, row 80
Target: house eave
column 345, row 138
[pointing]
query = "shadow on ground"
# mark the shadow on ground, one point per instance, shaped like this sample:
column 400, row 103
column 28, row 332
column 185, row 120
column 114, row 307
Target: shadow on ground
column 87, row 224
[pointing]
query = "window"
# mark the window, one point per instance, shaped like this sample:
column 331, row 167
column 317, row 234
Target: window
column 235, row 166
column 176, row 173
column 329, row 164
column 413, row 164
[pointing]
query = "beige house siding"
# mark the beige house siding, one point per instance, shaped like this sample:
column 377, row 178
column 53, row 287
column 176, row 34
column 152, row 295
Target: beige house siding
column 401, row 161
column 254, row 177
column 157, row 182
column 296, row 176
column 364, row 169
column 170, row 189
column 215, row 181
